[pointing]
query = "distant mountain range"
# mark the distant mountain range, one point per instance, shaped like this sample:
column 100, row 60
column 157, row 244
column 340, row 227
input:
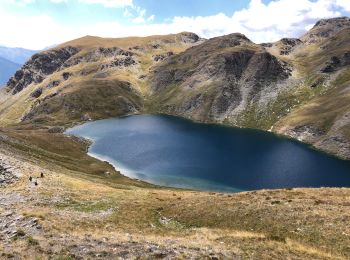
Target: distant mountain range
column 16, row 55
column 11, row 59
column 7, row 69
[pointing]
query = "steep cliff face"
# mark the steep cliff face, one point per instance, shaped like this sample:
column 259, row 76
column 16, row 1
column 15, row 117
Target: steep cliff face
column 217, row 80
column 38, row 67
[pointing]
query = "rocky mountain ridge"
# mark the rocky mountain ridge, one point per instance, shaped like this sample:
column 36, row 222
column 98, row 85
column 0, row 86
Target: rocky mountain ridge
column 324, row 29
column 295, row 87
column 38, row 67
column 231, row 68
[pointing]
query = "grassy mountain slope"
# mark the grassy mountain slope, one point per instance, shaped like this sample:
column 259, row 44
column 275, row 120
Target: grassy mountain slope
column 227, row 79
column 84, row 208
column 324, row 119
column 87, row 78
column 296, row 87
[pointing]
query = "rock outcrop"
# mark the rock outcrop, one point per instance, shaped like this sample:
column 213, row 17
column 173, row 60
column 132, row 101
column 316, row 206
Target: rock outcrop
column 336, row 62
column 44, row 64
column 324, row 29
column 96, row 55
column 231, row 68
column 39, row 66
column 119, row 62
column 288, row 45
column 8, row 172
column 188, row 37
column 37, row 93
column 6, row 176
column 160, row 57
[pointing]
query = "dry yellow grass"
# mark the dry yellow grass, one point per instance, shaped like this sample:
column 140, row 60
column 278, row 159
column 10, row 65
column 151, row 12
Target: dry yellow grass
column 74, row 202
column 94, row 41
column 14, row 108
column 82, row 201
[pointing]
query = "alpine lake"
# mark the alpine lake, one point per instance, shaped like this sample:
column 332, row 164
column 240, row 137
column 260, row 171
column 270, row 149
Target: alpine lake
column 174, row 152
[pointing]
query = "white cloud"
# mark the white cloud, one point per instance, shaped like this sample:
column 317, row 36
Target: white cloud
column 127, row 13
column 33, row 32
column 140, row 16
column 141, row 13
column 138, row 19
column 58, row 1
column 259, row 22
column 25, row 2
column 109, row 3
column 345, row 4
column 283, row 18
column 151, row 18
column 20, row 2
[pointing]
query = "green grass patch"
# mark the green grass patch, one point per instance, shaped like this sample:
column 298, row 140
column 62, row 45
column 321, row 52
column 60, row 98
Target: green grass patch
column 31, row 241
column 265, row 117
column 342, row 78
column 86, row 206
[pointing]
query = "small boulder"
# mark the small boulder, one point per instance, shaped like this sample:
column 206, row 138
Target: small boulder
column 66, row 75
column 53, row 84
column 37, row 93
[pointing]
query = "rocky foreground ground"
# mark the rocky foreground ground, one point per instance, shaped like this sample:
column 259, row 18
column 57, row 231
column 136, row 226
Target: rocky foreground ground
column 22, row 236
column 66, row 216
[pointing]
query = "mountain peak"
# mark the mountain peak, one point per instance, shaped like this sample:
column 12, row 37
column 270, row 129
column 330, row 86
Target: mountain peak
column 325, row 28
column 239, row 36
column 189, row 37
column 230, row 40
column 337, row 21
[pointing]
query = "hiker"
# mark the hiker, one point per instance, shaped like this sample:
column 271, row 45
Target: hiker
column 42, row 175
column 30, row 178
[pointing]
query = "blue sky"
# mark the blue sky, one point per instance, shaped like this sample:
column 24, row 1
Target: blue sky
column 37, row 24
column 75, row 11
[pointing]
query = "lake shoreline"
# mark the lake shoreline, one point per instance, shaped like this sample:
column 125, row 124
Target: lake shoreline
column 175, row 180
column 224, row 125
column 63, row 196
column 127, row 173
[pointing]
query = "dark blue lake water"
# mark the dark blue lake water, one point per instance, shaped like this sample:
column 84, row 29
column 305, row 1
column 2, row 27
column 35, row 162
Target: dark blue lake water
column 174, row 152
